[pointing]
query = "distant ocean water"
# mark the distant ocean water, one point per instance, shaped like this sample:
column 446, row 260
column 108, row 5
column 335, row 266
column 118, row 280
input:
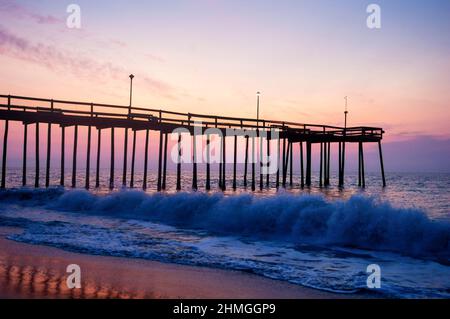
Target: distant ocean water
column 321, row 238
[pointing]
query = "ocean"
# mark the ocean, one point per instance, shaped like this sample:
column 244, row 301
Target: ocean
column 324, row 238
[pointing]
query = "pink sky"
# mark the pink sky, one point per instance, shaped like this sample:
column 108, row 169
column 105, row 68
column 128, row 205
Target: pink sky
column 212, row 56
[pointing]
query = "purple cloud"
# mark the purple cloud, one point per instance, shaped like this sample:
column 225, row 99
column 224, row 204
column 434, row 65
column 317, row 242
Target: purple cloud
column 18, row 11
column 56, row 59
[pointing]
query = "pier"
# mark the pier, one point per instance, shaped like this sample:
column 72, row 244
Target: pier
column 63, row 114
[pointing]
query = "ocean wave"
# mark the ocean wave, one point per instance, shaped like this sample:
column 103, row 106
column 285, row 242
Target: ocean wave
column 359, row 222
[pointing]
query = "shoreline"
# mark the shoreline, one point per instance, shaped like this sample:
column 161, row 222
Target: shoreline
column 35, row 271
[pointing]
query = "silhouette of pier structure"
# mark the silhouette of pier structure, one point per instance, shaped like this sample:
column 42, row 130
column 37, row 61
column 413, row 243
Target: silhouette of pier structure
column 63, row 114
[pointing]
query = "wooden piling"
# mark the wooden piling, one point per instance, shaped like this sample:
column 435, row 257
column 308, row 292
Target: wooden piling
column 325, row 163
column 179, row 164
column 321, row 165
column 208, row 162
column 88, row 159
column 308, row 164
column 47, row 166
column 261, row 176
column 246, row 160
column 36, row 179
column 328, row 164
column 220, row 163
column 284, row 162
column 144, row 181
column 125, row 159
column 111, row 172
column 291, row 169
column 160, row 159
column 224, row 166
column 302, row 168
column 359, row 166
column 133, row 160
column 74, row 157
column 4, row 157
column 268, row 163
column 340, row 164
column 343, row 162
column 363, row 175
column 381, row 164
column 277, row 185
column 194, row 163
column 163, row 186
column 97, row 171
column 253, row 165
column 235, row 162
column 5, row 149
column 63, row 154
column 24, row 158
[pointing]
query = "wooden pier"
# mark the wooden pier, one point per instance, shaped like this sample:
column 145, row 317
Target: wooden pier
column 63, row 114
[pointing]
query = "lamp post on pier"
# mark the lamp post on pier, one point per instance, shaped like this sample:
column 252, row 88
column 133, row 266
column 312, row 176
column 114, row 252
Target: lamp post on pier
column 125, row 151
column 131, row 92
column 342, row 168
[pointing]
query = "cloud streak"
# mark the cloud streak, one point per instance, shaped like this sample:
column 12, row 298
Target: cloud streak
column 18, row 11
column 59, row 60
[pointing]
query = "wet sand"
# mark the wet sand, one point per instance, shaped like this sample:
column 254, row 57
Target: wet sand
column 31, row 271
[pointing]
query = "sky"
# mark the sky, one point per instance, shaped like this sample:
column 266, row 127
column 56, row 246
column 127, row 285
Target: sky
column 212, row 56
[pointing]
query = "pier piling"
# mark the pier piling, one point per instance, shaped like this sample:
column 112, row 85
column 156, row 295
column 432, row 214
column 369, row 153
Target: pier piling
column 97, row 171
column 125, row 159
column 235, row 162
column 363, row 176
column 291, row 166
column 253, row 165
column 321, row 165
column 224, row 165
column 268, row 163
column 246, row 161
column 74, row 157
column 111, row 172
column 133, row 160
column 343, row 163
column 261, row 176
column 88, row 159
column 36, row 179
column 208, row 162
column 220, row 163
column 163, row 186
column 179, row 164
column 277, row 185
column 63, row 155
column 161, row 146
column 49, row 147
column 5, row 150
column 284, row 163
column 302, row 168
column 24, row 157
column 381, row 164
column 194, row 163
column 144, row 180
column 308, row 164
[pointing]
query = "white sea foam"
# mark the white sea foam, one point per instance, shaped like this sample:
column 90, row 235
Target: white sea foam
column 305, row 239
column 359, row 222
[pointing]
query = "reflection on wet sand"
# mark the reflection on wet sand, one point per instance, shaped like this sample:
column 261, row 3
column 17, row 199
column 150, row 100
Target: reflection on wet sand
column 50, row 282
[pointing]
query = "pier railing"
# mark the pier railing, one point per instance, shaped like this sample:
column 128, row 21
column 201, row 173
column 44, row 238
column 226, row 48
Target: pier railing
column 99, row 110
column 31, row 110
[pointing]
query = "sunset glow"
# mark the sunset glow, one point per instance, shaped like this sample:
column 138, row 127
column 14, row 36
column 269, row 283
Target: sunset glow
column 212, row 56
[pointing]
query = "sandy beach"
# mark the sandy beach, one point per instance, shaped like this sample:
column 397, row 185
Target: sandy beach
column 31, row 271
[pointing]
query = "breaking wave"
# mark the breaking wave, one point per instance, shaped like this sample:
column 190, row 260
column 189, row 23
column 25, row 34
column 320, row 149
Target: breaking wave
column 359, row 222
